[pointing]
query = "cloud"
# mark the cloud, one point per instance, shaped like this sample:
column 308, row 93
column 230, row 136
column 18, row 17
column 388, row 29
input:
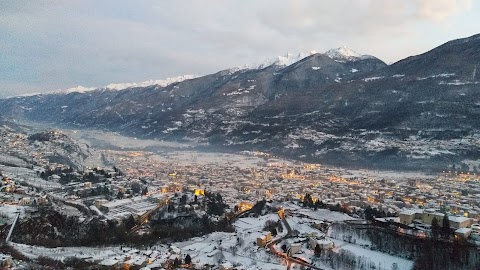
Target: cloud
column 438, row 10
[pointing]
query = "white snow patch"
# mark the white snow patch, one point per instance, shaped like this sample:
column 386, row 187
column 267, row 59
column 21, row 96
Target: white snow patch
column 372, row 79
column 443, row 75
column 345, row 53
column 283, row 61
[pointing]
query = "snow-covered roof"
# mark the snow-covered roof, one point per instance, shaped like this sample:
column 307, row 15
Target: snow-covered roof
column 463, row 230
column 226, row 265
column 458, row 219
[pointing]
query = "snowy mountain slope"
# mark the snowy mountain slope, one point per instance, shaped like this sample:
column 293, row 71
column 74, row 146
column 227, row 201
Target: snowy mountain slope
column 346, row 54
column 281, row 61
column 421, row 112
column 122, row 86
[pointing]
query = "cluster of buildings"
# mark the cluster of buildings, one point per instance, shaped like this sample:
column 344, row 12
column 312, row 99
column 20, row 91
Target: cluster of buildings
column 13, row 193
column 424, row 218
column 142, row 180
column 454, row 193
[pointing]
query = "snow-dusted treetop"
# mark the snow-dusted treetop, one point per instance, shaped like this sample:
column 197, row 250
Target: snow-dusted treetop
column 344, row 53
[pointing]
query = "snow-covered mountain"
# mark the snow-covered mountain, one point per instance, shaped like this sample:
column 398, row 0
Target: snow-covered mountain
column 78, row 89
column 346, row 54
column 161, row 83
column 282, row 61
column 338, row 107
column 122, row 86
column 340, row 54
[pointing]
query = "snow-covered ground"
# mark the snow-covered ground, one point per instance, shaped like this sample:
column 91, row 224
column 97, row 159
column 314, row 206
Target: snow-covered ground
column 27, row 176
column 101, row 255
column 10, row 211
column 217, row 248
column 379, row 258
column 237, row 248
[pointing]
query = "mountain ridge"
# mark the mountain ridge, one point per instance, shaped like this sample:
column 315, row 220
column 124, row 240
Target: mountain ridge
column 414, row 114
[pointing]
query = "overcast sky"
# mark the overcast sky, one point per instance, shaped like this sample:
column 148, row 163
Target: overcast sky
column 54, row 44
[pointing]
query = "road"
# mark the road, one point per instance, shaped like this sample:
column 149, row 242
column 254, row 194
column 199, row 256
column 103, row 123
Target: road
column 271, row 245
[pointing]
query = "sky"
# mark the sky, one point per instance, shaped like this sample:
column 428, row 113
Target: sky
column 47, row 45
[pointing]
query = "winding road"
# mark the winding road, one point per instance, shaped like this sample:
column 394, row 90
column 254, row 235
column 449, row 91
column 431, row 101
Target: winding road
column 271, row 245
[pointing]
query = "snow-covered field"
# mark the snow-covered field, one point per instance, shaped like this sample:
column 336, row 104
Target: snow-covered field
column 380, row 259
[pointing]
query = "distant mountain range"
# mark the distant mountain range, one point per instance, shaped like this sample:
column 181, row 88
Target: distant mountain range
column 339, row 108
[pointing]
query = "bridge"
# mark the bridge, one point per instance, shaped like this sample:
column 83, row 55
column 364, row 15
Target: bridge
column 11, row 228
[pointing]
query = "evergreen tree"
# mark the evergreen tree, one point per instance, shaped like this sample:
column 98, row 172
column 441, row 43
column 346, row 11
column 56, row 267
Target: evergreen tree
column 176, row 262
column 445, row 226
column 435, row 228
column 307, row 200
column 136, row 187
column 183, row 199
column 188, row 259
column 129, row 222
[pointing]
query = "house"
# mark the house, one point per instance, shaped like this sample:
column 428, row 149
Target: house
column 294, row 249
column 407, row 217
column 459, row 222
column 463, row 233
column 199, row 192
column 476, row 227
column 261, row 241
column 429, row 214
column 42, row 200
column 100, row 202
column 268, row 236
column 226, row 266
column 25, row 201
column 323, row 244
column 111, row 262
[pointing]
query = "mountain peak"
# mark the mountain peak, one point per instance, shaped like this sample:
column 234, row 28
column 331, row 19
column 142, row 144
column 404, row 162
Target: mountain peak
column 79, row 89
column 161, row 83
column 345, row 53
column 118, row 86
column 282, row 60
